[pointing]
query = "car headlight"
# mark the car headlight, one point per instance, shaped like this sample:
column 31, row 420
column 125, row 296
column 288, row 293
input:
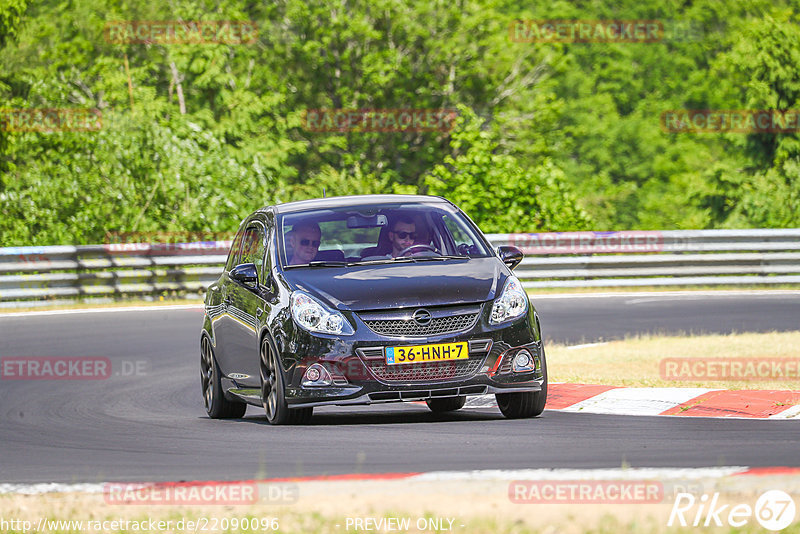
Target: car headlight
column 512, row 302
column 314, row 316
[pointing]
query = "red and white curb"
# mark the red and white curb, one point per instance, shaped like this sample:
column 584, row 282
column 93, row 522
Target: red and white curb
column 685, row 402
column 639, row 473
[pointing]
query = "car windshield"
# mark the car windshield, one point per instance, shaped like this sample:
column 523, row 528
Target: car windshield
column 377, row 234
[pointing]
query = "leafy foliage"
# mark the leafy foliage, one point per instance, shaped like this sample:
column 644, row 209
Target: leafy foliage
column 551, row 136
column 10, row 19
column 494, row 188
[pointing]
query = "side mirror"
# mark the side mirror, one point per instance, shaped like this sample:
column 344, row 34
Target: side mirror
column 245, row 273
column 511, row 256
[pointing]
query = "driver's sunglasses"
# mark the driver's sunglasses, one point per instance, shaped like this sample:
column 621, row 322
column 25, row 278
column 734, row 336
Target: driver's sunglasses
column 406, row 235
column 306, row 242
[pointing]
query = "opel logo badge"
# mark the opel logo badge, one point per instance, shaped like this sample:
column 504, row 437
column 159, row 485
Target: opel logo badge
column 422, row 317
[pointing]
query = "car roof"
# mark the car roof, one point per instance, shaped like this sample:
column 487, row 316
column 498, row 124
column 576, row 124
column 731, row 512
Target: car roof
column 353, row 200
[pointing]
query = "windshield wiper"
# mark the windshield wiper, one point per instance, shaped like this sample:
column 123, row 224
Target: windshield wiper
column 320, row 264
column 327, row 263
column 412, row 259
column 399, row 259
column 444, row 257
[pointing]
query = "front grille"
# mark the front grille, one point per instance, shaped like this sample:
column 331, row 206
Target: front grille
column 375, row 359
column 408, row 327
column 426, row 371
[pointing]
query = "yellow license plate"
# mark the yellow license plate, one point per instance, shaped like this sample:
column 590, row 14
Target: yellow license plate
column 426, row 353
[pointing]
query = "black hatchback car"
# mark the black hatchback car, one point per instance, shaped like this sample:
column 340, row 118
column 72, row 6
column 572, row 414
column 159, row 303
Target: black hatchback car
column 368, row 299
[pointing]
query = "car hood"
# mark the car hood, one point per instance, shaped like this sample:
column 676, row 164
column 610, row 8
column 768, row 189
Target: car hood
column 373, row 287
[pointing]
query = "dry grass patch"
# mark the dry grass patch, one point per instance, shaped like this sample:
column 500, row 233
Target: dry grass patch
column 636, row 361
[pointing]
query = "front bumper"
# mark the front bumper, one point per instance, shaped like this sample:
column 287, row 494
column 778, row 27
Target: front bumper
column 360, row 374
column 345, row 398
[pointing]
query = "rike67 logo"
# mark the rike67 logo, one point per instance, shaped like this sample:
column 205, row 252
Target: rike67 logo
column 774, row 510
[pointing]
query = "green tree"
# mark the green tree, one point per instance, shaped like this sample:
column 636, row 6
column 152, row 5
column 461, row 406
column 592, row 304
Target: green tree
column 497, row 192
column 11, row 13
column 11, row 19
column 763, row 68
column 556, row 134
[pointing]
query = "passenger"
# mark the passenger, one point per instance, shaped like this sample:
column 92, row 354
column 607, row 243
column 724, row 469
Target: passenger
column 423, row 235
column 304, row 240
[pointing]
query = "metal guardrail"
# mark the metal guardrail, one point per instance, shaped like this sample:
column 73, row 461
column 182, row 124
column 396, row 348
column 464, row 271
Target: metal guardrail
column 568, row 259
column 111, row 270
column 657, row 258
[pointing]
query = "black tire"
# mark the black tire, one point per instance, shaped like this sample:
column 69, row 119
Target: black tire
column 272, row 392
column 447, row 404
column 217, row 406
column 527, row 404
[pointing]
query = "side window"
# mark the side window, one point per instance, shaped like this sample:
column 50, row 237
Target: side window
column 264, row 273
column 233, row 255
column 464, row 241
column 253, row 247
column 459, row 236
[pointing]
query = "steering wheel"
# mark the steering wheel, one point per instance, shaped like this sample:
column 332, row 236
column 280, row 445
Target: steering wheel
column 419, row 246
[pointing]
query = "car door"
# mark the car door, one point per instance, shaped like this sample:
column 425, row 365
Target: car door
column 245, row 304
column 222, row 323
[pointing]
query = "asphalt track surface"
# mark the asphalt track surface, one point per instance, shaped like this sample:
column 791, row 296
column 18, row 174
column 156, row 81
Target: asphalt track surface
column 150, row 425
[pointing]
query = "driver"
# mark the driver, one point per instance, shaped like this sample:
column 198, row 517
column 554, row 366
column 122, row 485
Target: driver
column 402, row 235
column 304, row 240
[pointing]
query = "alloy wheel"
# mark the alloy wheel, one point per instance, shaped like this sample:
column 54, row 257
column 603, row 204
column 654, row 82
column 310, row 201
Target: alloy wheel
column 207, row 373
column 269, row 391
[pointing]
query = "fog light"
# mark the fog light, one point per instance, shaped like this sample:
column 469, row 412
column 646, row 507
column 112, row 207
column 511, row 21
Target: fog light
column 316, row 375
column 522, row 361
column 313, row 374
